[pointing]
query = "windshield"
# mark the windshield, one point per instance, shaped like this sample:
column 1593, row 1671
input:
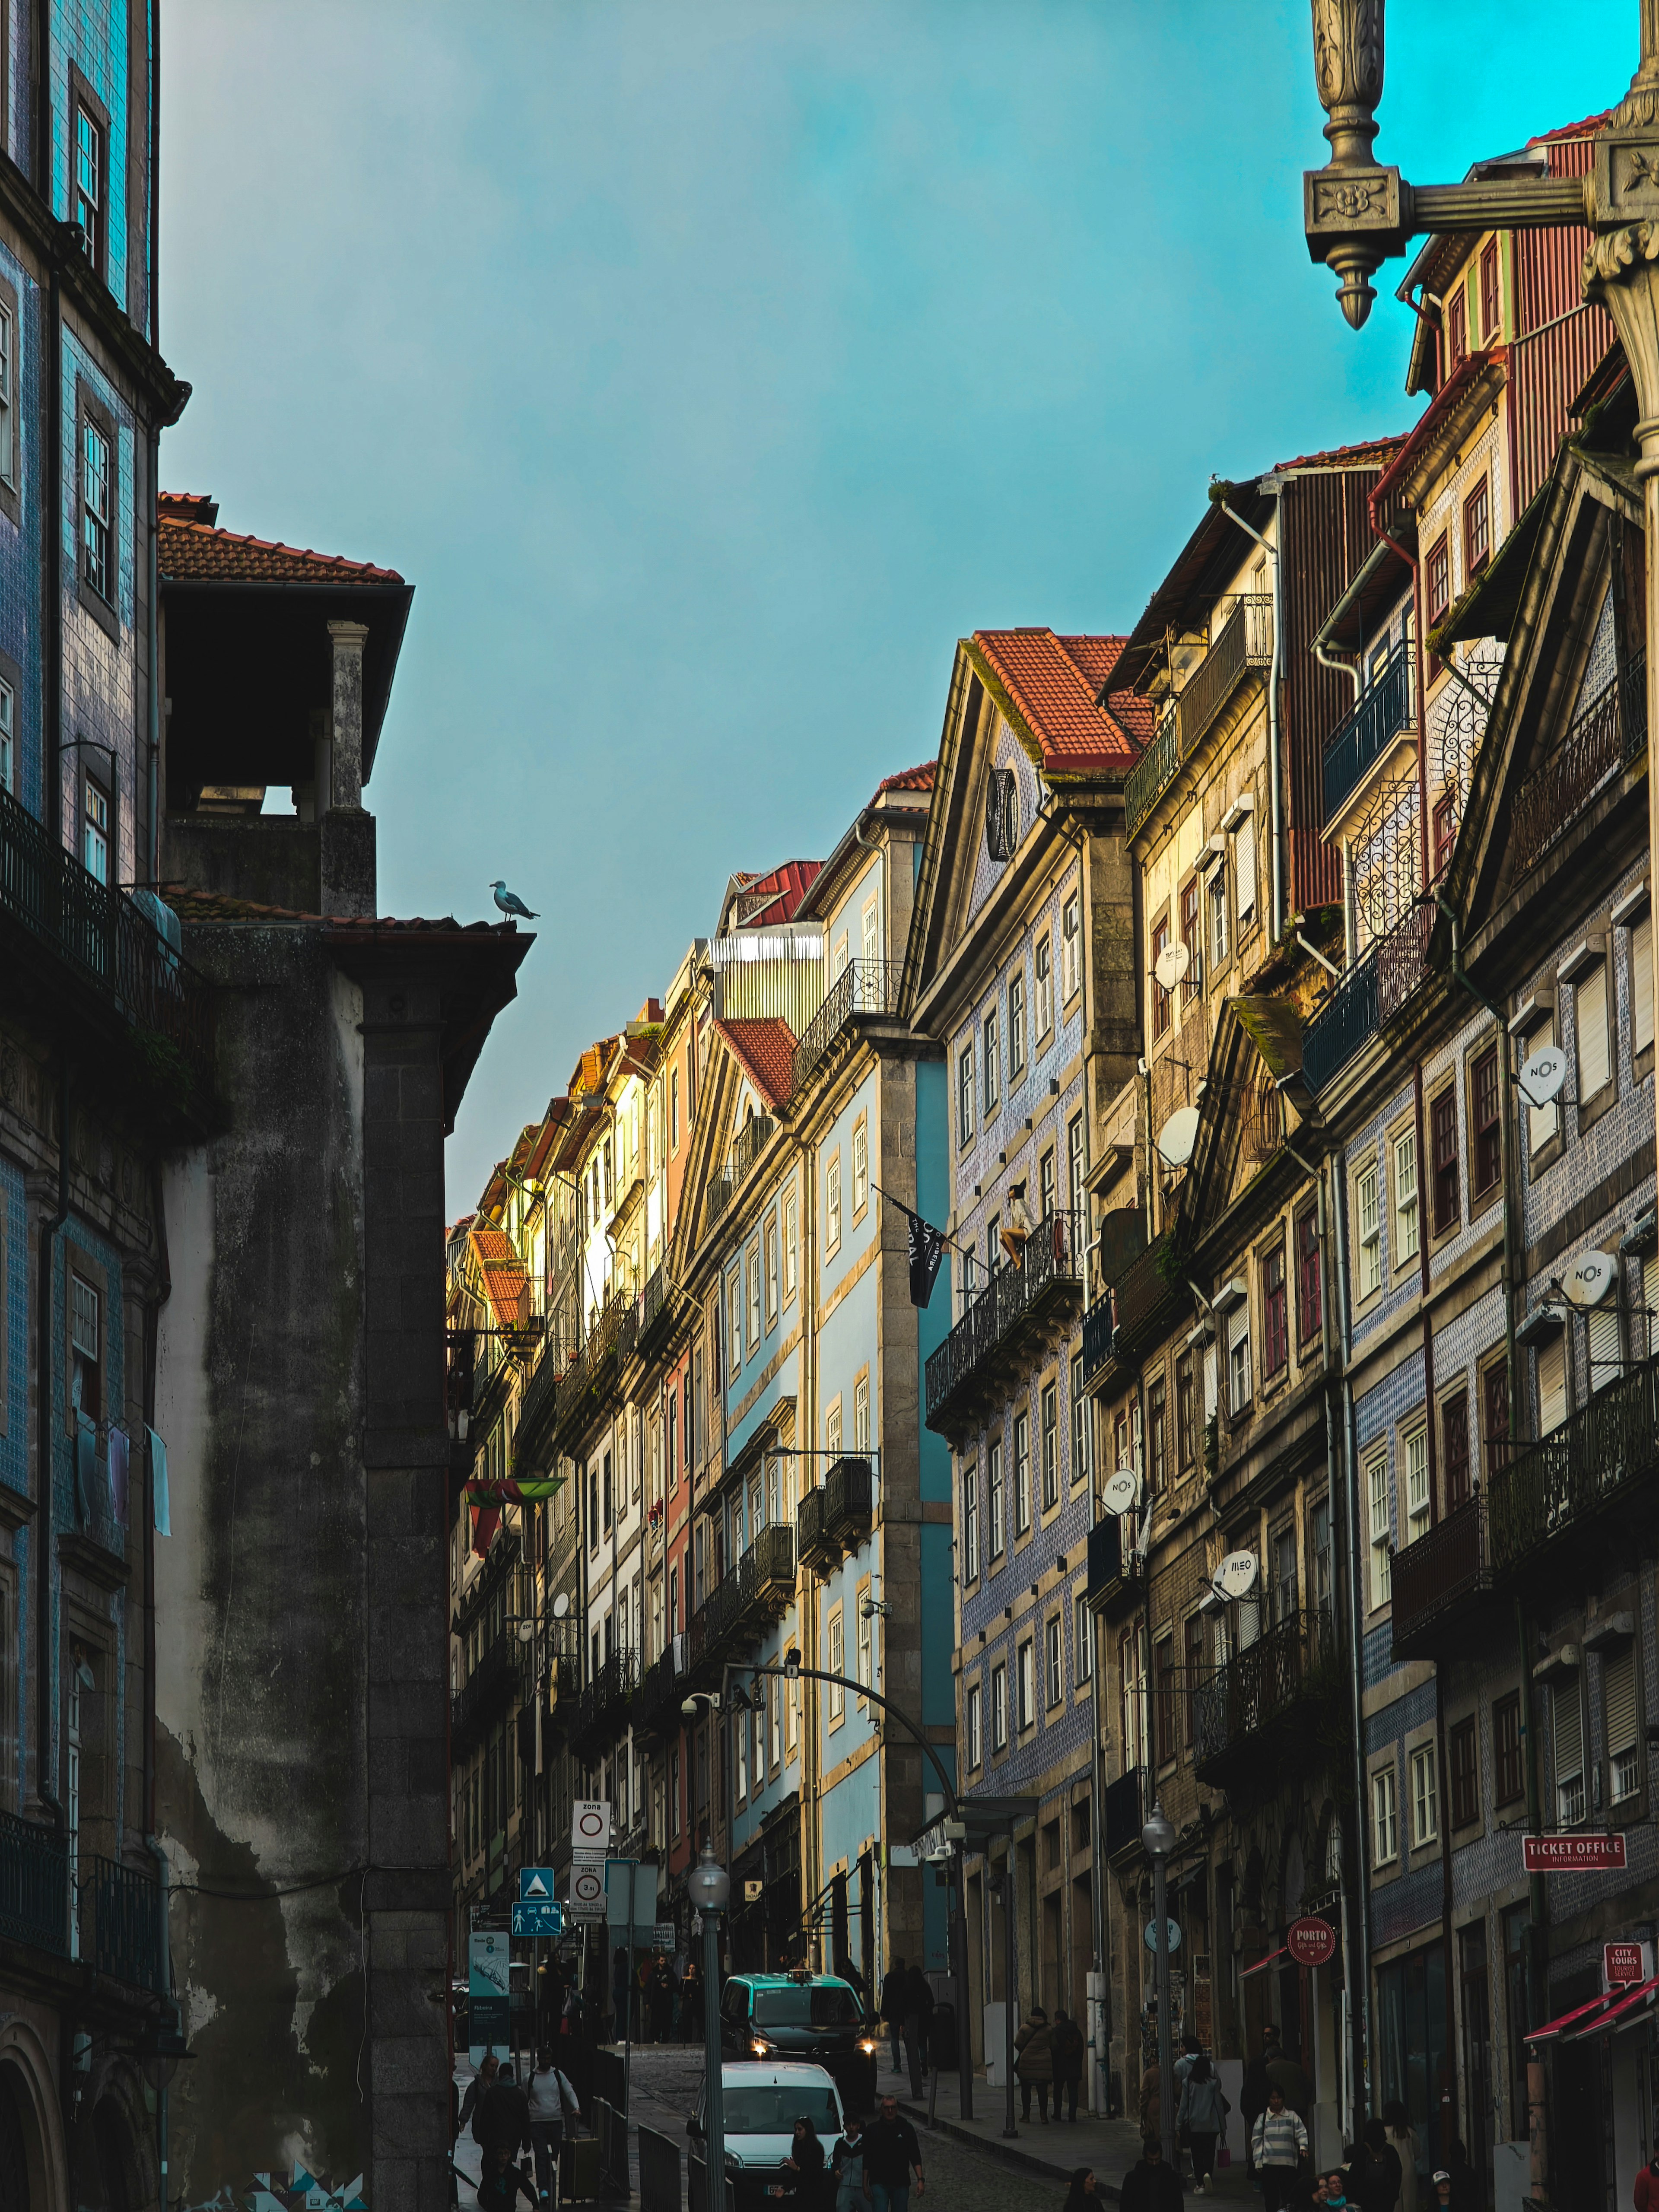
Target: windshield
column 764, row 2108
column 830, row 2006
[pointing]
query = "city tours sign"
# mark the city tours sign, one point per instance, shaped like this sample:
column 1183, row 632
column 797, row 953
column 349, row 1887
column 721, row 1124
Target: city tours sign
column 1311, row 1940
column 1624, row 1963
column 1602, row 1854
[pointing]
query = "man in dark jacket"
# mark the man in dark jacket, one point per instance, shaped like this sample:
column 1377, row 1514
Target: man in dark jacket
column 918, row 2022
column 501, row 2119
column 891, row 2155
column 894, row 2003
column 1149, row 2186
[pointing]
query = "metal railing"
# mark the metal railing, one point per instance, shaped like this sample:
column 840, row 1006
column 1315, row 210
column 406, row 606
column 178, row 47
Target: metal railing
column 1431, row 1577
column 1052, row 1256
column 1243, row 641
column 766, row 1572
column 484, row 1688
column 864, row 987
column 119, row 1909
column 1611, row 731
column 1548, row 1486
column 659, row 2172
column 1152, row 775
column 1402, row 959
column 1148, row 1296
column 1262, row 1684
column 1341, row 1026
column 1096, row 1337
column 1377, row 717
column 832, row 1519
column 1105, row 1556
column 603, row 1706
column 750, row 1142
column 33, row 1885
column 1125, row 1810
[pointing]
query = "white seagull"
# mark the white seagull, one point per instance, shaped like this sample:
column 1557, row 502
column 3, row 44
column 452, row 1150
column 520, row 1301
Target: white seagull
column 510, row 903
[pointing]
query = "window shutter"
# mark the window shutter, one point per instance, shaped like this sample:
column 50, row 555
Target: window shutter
column 1244, row 866
column 1641, row 984
column 1552, row 1385
column 1650, row 1300
column 1568, row 1718
column 1543, row 1123
column 1618, row 1689
column 1604, row 1360
column 1592, row 1014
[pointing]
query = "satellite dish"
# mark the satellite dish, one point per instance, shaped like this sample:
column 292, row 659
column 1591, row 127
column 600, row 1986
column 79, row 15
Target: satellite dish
column 1542, row 1076
column 561, row 1606
column 1236, row 1576
column 1589, row 1278
column 526, row 1632
column 1121, row 1493
column 1178, row 1137
column 1171, row 964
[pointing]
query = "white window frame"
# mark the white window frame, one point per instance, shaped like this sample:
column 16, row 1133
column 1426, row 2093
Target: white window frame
column 1380, row 1525
column 1071, row 948
column 1023, row 1472
column 8, row 737
column 837, row 1637
column 1016, row 1026
column 1418, row 1505
column 1000, row 1707
column 1368, row 1212
column 970, row 1521
column 1543, row 1123
column 1407, row 1206
column 832, row 1202
column 1239, row 1377
column 1385, row 1818
column 990, row 1049
column 1592, row 1023
column 1567, row 1749
column 1054, row 1660
column 1025, row 1685
column 862, row 1417
column 1043, row 967
column 772, row 1270
column 1083, row 1638
column 965, row 1095
column 1425, row 1797
column 789, row 1247
column 996, row 1501
column 860, row 1166
column 971, row 1714
column 1641, row 983
column 7, row 399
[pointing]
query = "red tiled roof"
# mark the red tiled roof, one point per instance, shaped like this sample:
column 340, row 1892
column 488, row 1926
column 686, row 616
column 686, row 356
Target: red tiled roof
column 790, row 882
column 765, row 1050
column 502, row 1273
column 192, row 905
column 1375, row 452
column 1046, row 680
column 1580, row 129
column 194, row 551
column 919, row 778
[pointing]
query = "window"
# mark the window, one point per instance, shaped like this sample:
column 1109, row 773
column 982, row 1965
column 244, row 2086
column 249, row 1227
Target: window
column 1619, row 1701
column 998, row 1708
column 1426, row 1809
column 1310, row 1305
column 1567, row 1721
column 89, row 181
column 1050, row 1448
column 754, row 1297
column 1509, row 1778
column 1074, row 1172
column 964, row 1094
column 1046, row 1184
column 1285, row 1576
column 837, row 1666
column 1160, row 996
column 1081, row 1412
column 863, row 1671
column 839, row 959
column 862, row 1417
column 1455, row 1449
column 1071, row 949
column 832, row 1431
column 992, row 1056
column 673, row 1109
column 1445, row 829
column 1641, row 984
column 1489, row 290
column 1416, row 1485
column 1439, row 580
column 1275, row 1318
column 1217, row 889
column 1370, row 1231
column 1443, row 1132
column 1025, row 1685
column 1053, row 1661
column 1382, row 1532
column 1044, row 964
column 993, row 1498
column 1186, row 1409
column 1016, row 1029
column 832, row 1204
column 1463, row 1758
column 1021, row 1473
column 1457, row 327
column 971, row 1708
column 96, row 496
column 1551, row 1385
column 1488, row 1142
column 789, row 1247
column 1193, row 980
column 734, row 1321
column 1477, row 529
column 94, row 831
column 1238, row 1361
column 970, row 1523
column 1404, row 1197
column 1385, row 1823
column 771, row 1271
column 1083, row 1638
column 860, row 1168
column 1244, row 867
column 1318, row 1540
column 85, row 1339
column 1590, row 1018
column 8, row 397
column 1196, row 1671
column 1543, row 1121
column 870, row 922
column 1158, row 1473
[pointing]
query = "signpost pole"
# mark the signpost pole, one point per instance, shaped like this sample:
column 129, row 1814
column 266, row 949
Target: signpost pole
column 627, row 2016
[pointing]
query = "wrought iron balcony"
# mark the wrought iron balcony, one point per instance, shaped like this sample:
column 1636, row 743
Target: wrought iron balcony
column 33, row 1885
column 656, row 1313
column 1146, row 1301
column 766, row 1576
column 1604, row 1455
column 1611, row 732
column 120, row 1910
column 484, row 1696
column 1097, row 1337
column 662, row 1689
column 834, row 1519
column 1125, row 1813
column 1041, row 1289
column 1362, row 737
column 1249, row 1713
column 1244, row 640
column 533, row 1438
column 602, row 1710
column 1436, row 1581
column 864, row 987
column 1106, row 1558
column 749, row 1143
column 585, row 1383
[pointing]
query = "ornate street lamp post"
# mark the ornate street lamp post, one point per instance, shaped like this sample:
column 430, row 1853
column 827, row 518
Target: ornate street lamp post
column 1159, row 1837
column 709, row 1885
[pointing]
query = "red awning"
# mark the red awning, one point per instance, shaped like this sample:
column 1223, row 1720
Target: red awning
column 1623, row 2013
column 1579, row 2016
column 1280, row 1953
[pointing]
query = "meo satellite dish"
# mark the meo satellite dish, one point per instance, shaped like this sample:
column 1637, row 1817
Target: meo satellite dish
column 1236, row 1576
column 1171, row 965
column 1121, row 1493
column 1542, row 1076
column 1178, row 1137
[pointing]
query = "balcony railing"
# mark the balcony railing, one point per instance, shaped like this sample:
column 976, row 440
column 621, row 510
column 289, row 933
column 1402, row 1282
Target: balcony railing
column 766, row 1575
column 1435, row 1579
column 1360, row 740
column 1105, row 1557
column 33, row 1885
column 1097, row 1337
column 1611, row 731
column 833, row 1519
column 1244, row 640
column 1341, row 1026
column 602, row 1710
column 613, row 1333
column 486, row 1692
column 864, row 987
column 536, row 1407
column 1148, row 1297
column 658, row 1699
column 750, row 1142
column 1126, row 1810
column 108, row 941
column 119, row 1909
column 656, row 1311
column 1252, row 1707
column 1048, row 1276
column 1550, row 1488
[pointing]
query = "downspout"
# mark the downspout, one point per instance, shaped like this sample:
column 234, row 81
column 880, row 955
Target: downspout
column 51, row 1230
column 152, row 1840
column 1276, row 931
column 155, row 715
column 53, row 700
column 1327, row 659
column 1360, row 1974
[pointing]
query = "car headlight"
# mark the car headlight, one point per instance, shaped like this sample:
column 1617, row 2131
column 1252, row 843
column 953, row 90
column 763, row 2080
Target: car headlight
column 760, row 2046
column 867, row 2046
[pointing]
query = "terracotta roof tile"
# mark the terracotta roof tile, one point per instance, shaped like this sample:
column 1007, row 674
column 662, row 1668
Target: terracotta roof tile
column 1375, row 452
column 919, row 778
column 1047, row 682
column 193, row 550
column 765, row 1050
column 789, row 884
column 1582, row 129
column 502, row 1273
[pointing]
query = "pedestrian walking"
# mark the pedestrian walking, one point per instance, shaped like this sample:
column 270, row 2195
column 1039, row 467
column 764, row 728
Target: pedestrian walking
column 894, row 1995
column 1149, row 2185
column 1372, row 2183
column 1288, row 2075
column 847, row 2166
column 1397, row 2124
column 692, row 2004
column 1466, row 2194
column 804, row 2167
column 1152, row 2101
column 1082, row 2195
column 1279, row 2140
column 1067, row 2044
column 552, row 2101
column 488, row 2067
column 662, row 1999
column 1034, row 2062
column 1384, row 2155
column 503, row 2185
column 919, row 2025
column 1202, row 2116
column 891, row 2155
column 1253, row 2099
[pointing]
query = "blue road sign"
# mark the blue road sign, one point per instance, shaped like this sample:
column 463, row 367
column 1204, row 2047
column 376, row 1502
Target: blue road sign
column 541, row 1917
column 536, row 1885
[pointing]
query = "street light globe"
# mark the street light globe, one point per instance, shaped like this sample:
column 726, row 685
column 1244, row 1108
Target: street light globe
column 708, row 1885
column 1158, row 1835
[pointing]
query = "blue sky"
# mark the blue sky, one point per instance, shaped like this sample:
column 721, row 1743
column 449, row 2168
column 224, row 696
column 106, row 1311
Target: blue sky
column 710, row 369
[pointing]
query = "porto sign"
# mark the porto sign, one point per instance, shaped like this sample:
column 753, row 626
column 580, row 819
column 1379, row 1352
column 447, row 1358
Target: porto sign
column 1311, row 1941
column 1172, row 1938
column 1593, row 1854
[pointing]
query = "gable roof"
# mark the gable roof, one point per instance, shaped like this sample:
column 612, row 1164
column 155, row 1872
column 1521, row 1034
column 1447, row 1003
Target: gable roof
column 1049, row 685
column 500, row 1271
column 767, row 901
column 192, row 549
column 919, row 778
column 765, row 1050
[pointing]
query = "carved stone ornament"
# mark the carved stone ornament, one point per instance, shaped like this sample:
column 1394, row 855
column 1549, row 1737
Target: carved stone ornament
column 1348, row 74
column 1621, row 270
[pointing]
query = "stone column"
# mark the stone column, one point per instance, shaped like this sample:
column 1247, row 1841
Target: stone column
column 347, row 640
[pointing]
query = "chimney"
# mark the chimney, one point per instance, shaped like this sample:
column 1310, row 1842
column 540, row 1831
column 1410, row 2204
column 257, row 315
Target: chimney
column 345, row 830
column 347, row 639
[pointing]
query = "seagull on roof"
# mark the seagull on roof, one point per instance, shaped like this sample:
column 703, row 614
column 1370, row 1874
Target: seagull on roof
column 510, row 903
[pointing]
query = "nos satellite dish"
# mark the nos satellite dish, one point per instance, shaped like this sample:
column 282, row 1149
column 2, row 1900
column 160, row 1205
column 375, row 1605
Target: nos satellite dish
column 1121, row 1493
column 1178, row 1137
column 1541, row 1077
column 1171, row 964
column 1236, row 1576
column 1589, row 1278
column 561, row 1606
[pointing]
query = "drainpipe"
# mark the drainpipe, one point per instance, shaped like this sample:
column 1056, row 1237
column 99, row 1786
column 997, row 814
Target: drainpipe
column 152, row 1841
column 1277, row 930
column 46, row 1310
column 1348, row 668
column 52, row 676
column 1359, row 1976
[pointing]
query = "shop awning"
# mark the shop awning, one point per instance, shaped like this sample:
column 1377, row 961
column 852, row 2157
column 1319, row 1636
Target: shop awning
column 1579, row 2017
column 1629, row 2008
column 1283, row 1952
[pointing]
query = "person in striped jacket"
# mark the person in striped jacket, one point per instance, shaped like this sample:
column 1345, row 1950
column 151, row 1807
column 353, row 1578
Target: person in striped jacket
column 1278, row 2142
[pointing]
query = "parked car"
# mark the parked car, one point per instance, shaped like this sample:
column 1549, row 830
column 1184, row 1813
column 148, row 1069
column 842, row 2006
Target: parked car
column 760, row 2103
column 801, row 2015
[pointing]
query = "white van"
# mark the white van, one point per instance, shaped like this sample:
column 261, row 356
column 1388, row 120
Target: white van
column 762, row 2104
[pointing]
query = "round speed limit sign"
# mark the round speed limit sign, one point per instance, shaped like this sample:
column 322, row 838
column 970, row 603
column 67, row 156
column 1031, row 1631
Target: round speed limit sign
column 587, row 1885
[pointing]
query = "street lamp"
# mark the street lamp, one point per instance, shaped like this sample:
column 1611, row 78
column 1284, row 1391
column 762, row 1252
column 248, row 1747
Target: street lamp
column 1159, row 1836
column 710, row 1886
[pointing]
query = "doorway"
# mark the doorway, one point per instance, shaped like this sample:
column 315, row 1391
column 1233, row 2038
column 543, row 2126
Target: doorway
column 1476, row 1994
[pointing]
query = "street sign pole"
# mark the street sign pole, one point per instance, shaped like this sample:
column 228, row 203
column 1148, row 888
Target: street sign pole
column 627, row 2015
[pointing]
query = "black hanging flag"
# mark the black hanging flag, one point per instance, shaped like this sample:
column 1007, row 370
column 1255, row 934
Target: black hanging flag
column 927, row 1250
